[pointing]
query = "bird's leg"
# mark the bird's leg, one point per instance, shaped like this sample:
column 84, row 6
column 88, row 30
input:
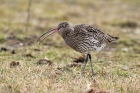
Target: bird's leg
column 89, row 55
column 85, row 62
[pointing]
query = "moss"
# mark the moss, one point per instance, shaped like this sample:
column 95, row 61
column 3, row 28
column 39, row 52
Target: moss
column 122, row 73
column 136, row 49
column 129, row 42
column 124, row 24
column 2, row 39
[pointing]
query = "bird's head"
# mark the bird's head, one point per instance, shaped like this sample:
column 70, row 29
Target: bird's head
column 63, row 26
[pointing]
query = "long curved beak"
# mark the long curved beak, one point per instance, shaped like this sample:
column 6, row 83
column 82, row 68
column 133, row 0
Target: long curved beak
column 48, row 33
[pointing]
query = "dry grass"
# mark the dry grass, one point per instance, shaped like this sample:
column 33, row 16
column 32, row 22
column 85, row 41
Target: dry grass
column 117, row 66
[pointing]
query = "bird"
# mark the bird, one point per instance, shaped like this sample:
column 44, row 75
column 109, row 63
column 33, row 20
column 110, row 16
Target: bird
column 82, row 38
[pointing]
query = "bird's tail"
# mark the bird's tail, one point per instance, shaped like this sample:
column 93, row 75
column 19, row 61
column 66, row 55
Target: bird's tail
column 112, row 39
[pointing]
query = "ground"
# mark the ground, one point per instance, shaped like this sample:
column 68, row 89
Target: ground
column 26, row 66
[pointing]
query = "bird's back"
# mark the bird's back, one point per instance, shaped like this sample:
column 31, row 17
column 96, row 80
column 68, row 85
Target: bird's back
column 85, row 38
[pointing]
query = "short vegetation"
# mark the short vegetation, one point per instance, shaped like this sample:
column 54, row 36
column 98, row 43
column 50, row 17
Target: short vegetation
column 52, row 66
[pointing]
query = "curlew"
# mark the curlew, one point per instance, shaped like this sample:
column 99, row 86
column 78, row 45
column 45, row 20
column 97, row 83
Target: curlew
column 83, row 38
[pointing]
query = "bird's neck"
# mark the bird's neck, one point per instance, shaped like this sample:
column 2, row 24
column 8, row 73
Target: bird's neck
column 66, row 32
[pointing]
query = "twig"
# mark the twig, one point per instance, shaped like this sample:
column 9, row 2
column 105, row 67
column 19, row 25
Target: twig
column 28, row 16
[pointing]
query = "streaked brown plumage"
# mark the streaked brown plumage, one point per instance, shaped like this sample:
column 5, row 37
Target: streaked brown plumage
column 83, row 38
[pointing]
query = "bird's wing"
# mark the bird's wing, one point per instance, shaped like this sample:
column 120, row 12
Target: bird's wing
column 93, row 32
column 84, row 28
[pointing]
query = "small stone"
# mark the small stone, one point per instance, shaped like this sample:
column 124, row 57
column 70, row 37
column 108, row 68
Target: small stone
column 80, row 59
column 14, row 64
column 44, row 61
column 29, row 55
column 4, row 49
column 13, row 52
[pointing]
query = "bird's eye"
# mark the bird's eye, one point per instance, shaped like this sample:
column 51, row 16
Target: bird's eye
column 63, row 25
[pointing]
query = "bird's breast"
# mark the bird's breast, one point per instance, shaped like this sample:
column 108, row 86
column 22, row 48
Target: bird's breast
column 84, row 45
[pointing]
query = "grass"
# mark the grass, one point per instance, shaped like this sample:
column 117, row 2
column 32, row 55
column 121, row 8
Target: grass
column 117, row 66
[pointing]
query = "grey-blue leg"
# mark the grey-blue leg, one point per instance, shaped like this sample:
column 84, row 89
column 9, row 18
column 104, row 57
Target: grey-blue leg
column 85, row 62
column 91, row 64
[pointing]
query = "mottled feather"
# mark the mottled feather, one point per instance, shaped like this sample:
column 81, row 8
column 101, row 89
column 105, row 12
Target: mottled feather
column 84, row 38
